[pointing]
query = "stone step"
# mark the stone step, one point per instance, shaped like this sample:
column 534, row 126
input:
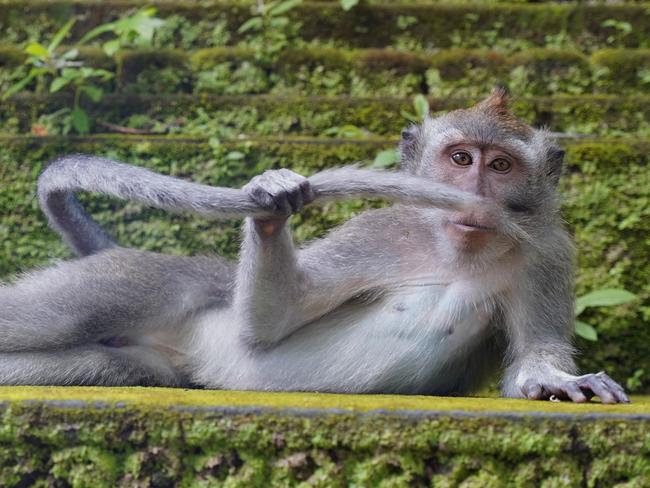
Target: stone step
column 231, row 116
column 156, row 436
column 411, row 24
column 381, row 72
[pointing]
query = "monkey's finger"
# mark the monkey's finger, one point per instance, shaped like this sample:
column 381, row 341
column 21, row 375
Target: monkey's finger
column 307, row 192
column 282, row 204
column 533, row 391
column 573, row 391
column 614, row 387
column 262, row 198
column 295, row 199
column 599, row 388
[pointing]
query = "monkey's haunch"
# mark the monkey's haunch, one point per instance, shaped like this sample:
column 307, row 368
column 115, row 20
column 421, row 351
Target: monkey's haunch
column 59, row 181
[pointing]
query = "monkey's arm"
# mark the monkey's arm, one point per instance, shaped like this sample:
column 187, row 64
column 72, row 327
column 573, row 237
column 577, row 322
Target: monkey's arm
column 69, row 174
column 539, row 318
column 281, row 288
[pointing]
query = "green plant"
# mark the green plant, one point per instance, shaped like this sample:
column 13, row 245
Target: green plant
column 385, row 158
column 270, row 30
column 348, row 131
column 621, row 30
column 607, row 297
column 62, row 69
column 134, row 30
column 55, row 69
column 348, row 4
column 421, row 108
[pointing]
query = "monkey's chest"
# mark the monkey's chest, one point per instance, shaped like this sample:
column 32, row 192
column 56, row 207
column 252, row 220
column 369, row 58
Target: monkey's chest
column 427, row 316
column 406, row 342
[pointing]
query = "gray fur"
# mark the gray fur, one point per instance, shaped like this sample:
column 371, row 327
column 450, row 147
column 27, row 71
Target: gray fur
column 389, row 302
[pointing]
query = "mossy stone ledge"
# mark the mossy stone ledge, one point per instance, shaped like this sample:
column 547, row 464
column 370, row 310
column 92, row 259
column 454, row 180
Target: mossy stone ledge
column 230, row 116
column 428, row 25
column 383, row 72
column 105, row 437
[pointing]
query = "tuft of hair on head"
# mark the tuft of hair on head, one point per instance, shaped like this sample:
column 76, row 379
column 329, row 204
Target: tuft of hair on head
column 496, row 107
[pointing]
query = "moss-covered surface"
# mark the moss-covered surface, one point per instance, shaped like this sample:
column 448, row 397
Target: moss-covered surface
column 158, row 437
column 230, row 116
column 383, row 72
column 213, row 399
column 606, row 191
column 411, row 24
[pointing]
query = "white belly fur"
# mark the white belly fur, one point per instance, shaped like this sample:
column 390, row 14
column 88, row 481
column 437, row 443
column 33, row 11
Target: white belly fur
column 406, row 342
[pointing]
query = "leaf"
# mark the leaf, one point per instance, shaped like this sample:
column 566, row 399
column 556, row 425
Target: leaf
column 409, row 116
column 96, row 32
column 235, row 156
column 70, row 73
column 94, row 93
column 385, row 158
column 58, row 83
column 70, row 54
column 421, row 105
column 80, row 120
column 603, row 298
column 586, row 331
column 111, row 47
column 284, row 7
column 348, row 4
column 19, row 85
column 60, row 35
column 252, row 23
column 37, row 49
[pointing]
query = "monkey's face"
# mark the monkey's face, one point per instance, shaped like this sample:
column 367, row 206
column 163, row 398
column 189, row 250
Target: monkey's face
column 487, row 151
column 488, row 171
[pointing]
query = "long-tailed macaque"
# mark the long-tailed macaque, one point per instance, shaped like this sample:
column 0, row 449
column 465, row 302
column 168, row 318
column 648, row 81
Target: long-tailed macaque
column 468, row 273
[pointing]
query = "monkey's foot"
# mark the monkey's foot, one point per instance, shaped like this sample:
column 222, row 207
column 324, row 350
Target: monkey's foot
column 576, row 388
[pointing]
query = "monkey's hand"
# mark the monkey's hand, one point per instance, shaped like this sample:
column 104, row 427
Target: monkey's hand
column 576, row 388
column 282, row 192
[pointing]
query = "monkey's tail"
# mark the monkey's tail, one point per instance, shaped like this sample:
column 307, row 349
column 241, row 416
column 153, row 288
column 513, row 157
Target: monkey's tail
column 67, row 175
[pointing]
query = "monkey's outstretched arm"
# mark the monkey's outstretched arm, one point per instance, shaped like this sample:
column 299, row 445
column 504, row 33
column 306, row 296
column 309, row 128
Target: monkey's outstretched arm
column 540, row 328
column 69, row 174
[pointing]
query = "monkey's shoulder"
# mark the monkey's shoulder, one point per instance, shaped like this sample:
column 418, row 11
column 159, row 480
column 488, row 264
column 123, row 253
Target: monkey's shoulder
column 397, row 222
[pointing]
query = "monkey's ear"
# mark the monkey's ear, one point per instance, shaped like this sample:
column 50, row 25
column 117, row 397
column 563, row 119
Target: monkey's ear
column 555, row 164
column 408, row 147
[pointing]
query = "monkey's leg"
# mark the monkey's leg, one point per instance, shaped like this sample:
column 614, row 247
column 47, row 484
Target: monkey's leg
column 92, row 364
column 116, row 292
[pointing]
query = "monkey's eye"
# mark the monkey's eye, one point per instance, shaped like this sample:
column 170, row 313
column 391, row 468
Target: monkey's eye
column 501, row 165
column 462, row 158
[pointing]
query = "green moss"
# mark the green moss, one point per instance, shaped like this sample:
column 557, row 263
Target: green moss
column 174, row 397
column 230, row 116
column 10, row 56
column 435, row 25
column 159, row 437
column 623, row 68
column 386, row 72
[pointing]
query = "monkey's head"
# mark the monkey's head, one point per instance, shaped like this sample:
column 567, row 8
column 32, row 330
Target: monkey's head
column 486, row 150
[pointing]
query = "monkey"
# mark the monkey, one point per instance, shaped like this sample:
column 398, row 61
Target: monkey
column 469, row 273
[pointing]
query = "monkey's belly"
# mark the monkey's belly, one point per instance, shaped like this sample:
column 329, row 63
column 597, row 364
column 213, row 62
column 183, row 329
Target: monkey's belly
column 408, row 342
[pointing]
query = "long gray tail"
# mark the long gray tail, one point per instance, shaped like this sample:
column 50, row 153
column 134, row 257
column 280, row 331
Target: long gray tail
column 67, row 175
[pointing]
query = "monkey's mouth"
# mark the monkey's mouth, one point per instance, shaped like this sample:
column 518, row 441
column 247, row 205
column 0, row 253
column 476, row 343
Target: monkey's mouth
column 466, row 224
